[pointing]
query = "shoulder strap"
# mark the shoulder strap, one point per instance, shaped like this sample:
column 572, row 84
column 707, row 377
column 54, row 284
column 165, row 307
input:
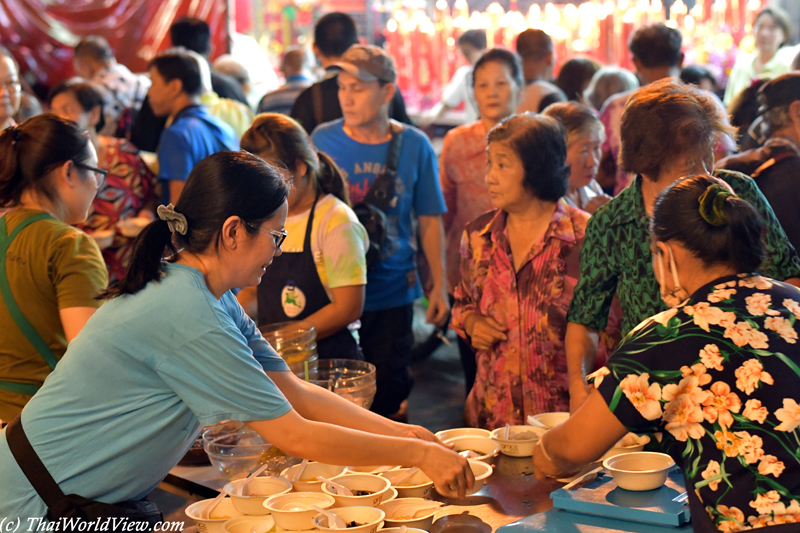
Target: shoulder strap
column 5, row 291
column 393, row 157
column 316, row 100
column 770, row 162
column 31, row 465
column 381, row 192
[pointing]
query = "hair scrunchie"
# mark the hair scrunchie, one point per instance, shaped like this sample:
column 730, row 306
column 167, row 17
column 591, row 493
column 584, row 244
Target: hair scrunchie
column 176, row 221
column 712, row 204
column 15, row 133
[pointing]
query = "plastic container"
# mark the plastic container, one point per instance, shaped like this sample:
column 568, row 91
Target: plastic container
column 249, row 524
column 550, row 420
column 424, row 521
column 352, row 380
column 291, row 511
column 223, row 512
column 294, row 341
column 369, row 519
column 639, row 471
column 377, row 486
column 517, row 447
column 237, row 451
column 310, row 473
column 417, row 486
column 447, row 434
column 257, row 492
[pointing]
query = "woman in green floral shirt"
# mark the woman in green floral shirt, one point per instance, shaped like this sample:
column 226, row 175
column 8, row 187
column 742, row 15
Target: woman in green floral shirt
column 716, row 376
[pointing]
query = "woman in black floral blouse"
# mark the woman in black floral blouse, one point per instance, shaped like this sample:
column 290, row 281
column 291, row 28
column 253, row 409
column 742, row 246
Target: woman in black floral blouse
column 717, row 375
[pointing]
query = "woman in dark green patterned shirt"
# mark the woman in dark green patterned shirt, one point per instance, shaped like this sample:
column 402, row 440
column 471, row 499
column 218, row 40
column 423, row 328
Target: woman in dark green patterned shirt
column 668, row 131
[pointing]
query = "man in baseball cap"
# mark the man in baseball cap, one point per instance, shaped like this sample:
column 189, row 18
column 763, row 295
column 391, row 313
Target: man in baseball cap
column 776, row 165
column 360, row 144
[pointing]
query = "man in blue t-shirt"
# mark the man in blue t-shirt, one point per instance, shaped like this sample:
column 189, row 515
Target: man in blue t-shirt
column 359, row 143
column 193, row 133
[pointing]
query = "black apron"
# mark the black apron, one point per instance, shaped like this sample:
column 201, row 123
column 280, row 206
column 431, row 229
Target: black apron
column 293, row 285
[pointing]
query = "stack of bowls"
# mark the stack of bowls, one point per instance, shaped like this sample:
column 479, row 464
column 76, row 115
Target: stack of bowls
column 294, row 341
column 352, row 380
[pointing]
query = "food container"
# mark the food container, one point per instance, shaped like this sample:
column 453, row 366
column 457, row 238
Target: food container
column 291, row 510
column 310, row 473
column 294, row 341
column 639, row 470
column 627, row 444
column 237, row 451
column 424, row 521
column 550, row 420
column 377, row 487
column 484, row 447
column 447, row 434
column 369, row 519
column 219, row 515
column 257, row 492
column 249, row 524
column 352, row 380
column 521, row 441
column 417, row 486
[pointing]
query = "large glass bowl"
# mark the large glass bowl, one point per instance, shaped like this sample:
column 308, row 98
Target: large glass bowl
column 237, row 451
column 352, row 380
column 295, row 341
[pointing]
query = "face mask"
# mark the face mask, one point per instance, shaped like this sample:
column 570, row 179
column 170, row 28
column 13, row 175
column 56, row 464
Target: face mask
column 678, row 294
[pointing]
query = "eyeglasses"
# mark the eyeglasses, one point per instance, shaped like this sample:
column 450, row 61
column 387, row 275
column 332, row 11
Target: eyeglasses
column 10, row 86
column 277, row 235
column 99, row 173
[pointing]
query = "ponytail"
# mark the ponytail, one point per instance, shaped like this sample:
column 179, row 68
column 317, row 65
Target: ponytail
column 146, row 260
column 330, row 179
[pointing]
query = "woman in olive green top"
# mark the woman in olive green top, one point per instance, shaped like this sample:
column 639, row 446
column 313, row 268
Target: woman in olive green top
column 668, row 131
column 50, row 272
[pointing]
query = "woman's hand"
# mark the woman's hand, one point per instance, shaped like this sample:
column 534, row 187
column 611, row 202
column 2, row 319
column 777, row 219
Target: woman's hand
column 419, row 432
column 484, row 331
column 450, row 473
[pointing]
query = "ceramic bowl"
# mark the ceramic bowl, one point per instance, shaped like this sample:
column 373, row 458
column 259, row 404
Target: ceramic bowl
column 462, row 432
column 417, row 486
column 517, row 447
column 377, row 486
column 485, row 447
column 630, row 443
column 310, row 473
column 249, row 524
column 639, row 470
column 369, row 519
column 257, row 491
column 550, row 420
column 297, row 519
column 221, row 514
column 424, row 521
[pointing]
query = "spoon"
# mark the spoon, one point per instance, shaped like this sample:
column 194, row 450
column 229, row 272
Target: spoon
column 334, row 522
column 535, row 423
column 381, row 469
column 402, row 529
column 251, row 477
column 469, row 454
column 404, row 476
column 341, row 490
column 505, row 435
column 206, row 514
column 299, row 472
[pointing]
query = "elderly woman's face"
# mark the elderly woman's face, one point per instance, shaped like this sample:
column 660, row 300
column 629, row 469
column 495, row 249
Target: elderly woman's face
column 583, row 157
column 505, row 178
column 496, row 92
column 10, row 89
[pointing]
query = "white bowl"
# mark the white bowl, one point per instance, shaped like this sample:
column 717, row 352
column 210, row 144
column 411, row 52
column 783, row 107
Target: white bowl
column 104, row 238
column 376, row 485
column 424, row 522
column 249, row 524
column 517, row 447
column 417, row 486
column 550, row 420
column 485, row 447
column 311, row 471
column 221, row 514
column 258, row 490
column 397, row 530
column 629, row 443
column 297, row 519
column 481, row 471
column 131, row 227
column 639, row 470
column 447, row 434
column 370, row 469
column 370, row 518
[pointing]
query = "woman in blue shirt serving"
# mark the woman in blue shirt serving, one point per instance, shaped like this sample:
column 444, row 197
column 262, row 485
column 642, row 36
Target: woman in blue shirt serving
column 171, row 350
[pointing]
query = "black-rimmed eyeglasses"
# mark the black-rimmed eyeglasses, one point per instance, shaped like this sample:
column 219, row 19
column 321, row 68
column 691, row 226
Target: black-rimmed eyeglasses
column 99, row 173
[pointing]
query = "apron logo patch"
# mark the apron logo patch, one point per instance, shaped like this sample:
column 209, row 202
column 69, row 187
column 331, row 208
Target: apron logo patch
column 293, row 300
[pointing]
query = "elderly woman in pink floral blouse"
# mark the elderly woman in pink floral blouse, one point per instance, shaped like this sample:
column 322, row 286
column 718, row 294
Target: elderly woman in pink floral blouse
column 519, row 265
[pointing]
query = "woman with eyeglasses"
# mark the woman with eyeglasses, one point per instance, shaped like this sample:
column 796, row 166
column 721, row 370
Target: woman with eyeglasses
column 322, row 274
column 128, row 192
column 50, row 272
column 172, row 350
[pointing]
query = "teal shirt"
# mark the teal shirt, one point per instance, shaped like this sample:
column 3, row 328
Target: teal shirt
column 134, row 388
column 616, row 257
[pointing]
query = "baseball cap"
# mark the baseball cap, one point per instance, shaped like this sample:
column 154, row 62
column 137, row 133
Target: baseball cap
column 779, row 91
column 368, row 63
